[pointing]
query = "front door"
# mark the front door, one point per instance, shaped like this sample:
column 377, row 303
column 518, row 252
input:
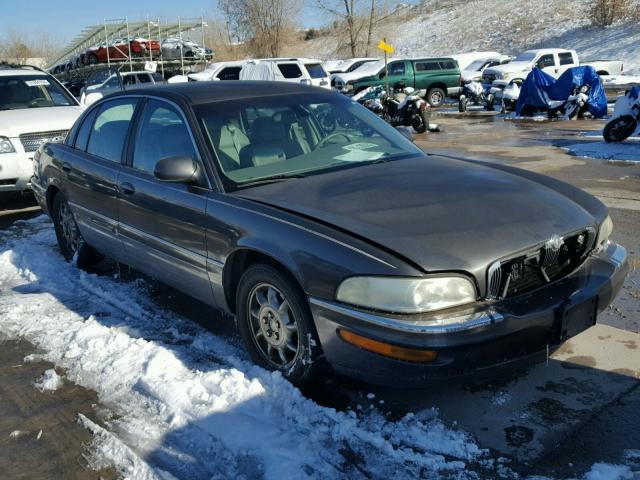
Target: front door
column 92, row 168
column 161, row 223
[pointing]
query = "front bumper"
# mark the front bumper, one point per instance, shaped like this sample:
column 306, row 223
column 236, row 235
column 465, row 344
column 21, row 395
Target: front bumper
column 511, row 332
column 16, row 169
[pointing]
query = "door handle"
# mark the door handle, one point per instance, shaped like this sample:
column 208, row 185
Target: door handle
column 127, row 188
column 66, row 167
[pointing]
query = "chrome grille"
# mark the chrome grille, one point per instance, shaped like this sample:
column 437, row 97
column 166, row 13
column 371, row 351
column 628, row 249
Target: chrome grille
column 32, row 141
column 547, row 263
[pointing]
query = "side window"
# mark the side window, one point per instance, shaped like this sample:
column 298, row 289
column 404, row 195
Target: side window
column 162, row 133
column 566, row 58
column 545, row 61
column 447, row 65
column 427, row 66
column 110, row 129
column 230, row 73
column 144, row 78
column 290, row 70
column 85, row 130
column 396, row 68
column 128, row 80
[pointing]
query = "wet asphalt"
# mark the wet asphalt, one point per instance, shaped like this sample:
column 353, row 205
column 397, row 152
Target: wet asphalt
column 608, row 433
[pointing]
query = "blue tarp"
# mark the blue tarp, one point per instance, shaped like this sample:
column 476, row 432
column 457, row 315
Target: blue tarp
column 540, row 87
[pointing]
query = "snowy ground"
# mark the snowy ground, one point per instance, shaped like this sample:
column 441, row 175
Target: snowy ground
column 187, row 404
column 624, row 152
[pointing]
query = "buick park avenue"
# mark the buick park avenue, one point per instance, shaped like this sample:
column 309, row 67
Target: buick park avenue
column 329, row 235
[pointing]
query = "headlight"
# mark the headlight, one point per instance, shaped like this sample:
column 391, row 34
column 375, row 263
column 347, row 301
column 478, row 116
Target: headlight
column 406, row 295
column 606, row 228
column 6, row 146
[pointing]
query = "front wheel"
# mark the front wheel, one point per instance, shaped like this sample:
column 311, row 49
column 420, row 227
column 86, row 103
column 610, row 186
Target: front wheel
column 620, row 128
column 72, row 245
column 276, row 325
column 436, row 97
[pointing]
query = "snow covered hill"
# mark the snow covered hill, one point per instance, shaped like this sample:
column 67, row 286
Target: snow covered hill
column 438, row 27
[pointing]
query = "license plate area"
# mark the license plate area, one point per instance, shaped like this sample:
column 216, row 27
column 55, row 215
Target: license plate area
column 577, row 318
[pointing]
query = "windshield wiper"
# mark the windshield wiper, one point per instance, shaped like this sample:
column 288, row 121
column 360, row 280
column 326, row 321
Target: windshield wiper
column 274, row 179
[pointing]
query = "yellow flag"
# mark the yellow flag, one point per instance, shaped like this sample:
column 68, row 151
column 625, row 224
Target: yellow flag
column 384, row 46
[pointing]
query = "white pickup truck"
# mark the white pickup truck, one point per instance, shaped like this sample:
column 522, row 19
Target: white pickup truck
column 553, row 61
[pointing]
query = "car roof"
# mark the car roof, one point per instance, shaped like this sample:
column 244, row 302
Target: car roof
column 12, row 71
column 197, row 93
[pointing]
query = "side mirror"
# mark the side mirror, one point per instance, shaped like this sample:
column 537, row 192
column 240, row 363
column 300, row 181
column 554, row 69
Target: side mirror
column 176, row 170
column 406, row 132
column 91, row 98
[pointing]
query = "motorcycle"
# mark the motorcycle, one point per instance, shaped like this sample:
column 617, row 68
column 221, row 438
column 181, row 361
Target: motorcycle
column 626, row 117
column 475, row 94
column 404, row 107
column 574, row 106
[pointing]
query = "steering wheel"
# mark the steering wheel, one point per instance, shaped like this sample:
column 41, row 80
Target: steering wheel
column 333, row 135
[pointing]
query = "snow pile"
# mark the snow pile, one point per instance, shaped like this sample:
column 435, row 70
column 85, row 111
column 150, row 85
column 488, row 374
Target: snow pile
column 188, row 402
column 606, row 471
column 50, row 381
column 624, row 152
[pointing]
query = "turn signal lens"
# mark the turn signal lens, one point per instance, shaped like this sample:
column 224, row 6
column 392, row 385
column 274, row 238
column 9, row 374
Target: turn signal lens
column 393, row 351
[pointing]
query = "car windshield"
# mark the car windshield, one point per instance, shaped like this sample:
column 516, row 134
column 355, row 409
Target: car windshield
column 477, row 65
column 278, row 137
column 527, row 56
column 372, row 67
column 32, row 91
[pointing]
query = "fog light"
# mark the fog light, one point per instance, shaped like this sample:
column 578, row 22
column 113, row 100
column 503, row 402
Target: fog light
column 393, row 351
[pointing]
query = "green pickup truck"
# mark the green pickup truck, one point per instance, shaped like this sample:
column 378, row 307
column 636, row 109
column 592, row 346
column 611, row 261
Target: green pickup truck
column 438, row 76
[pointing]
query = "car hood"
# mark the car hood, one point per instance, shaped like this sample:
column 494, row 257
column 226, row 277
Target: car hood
column 438, row 213
column 509, row 67
column 369, row 70
column 14, row 123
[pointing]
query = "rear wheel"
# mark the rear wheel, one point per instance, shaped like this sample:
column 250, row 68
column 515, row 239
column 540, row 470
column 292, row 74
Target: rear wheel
column 620, row 128
column 276, row 325
column 436, row 97
column 72, row 245
column 419, row 122
column 462, row 103
column 93, row 59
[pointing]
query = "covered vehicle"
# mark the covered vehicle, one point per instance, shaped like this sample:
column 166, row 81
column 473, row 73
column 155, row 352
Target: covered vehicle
column 625, row 120
column 541, row 92
column 294, row 70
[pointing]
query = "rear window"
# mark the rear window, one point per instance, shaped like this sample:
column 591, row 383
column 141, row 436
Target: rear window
column 230, row 73
column 290, row 70
column 315, row 70
column 565, row 58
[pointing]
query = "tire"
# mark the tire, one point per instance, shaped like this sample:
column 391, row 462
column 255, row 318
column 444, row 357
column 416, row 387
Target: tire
column 620, row 128
column 72, row 245
column 489, row 104
column 277, row 338
column 418, row 122
column 436, row 97
column 93, row 59
column 462, row 104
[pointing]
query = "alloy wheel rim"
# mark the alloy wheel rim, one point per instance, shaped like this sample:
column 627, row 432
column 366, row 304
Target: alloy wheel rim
column 70, row 233
column 273, row 326
column 436, row 97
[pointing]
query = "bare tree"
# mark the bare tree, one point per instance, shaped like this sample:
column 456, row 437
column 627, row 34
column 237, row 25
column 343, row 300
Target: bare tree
column 605, row 12
column 359, row 18
column 263, row 24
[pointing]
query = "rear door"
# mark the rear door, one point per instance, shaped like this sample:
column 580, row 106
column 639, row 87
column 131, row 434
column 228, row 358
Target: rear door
column 161, row 223
column 92, row 168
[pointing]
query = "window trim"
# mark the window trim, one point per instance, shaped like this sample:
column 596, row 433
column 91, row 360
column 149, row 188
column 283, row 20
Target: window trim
column 89, row 117
column 133, row 133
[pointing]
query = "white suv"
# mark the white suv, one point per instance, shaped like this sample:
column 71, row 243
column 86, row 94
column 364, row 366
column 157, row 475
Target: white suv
column 34, row 108
column 296, row 70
